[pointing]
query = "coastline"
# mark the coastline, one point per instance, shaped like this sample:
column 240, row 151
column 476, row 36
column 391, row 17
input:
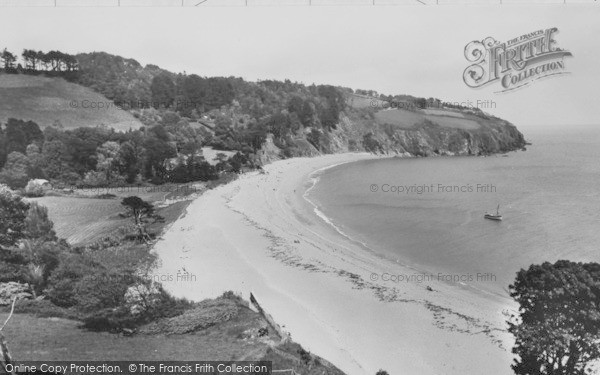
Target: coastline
column 260, row 234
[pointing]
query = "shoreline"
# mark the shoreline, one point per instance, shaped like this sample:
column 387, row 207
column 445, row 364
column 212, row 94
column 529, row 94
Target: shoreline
column 259, row 234
column 406, row 263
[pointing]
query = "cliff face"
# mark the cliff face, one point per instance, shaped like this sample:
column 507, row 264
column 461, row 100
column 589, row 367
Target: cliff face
column 354, row 132
column 431, row 139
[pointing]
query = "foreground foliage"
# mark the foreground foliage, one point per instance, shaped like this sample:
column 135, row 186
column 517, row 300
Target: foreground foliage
column 557, row 330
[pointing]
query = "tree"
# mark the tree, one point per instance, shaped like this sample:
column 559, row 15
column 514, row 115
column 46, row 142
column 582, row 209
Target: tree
column 38, row 225
column 19, row 134
column 34, row 159
column 8, row 60
column 163, row 91
column 557, row 330
column 128, row 160
column 56, row 158
column 15, row 170
column 155, row 161
column 30, row 57
column 107, row 155
column 13, row 211
column 193, row 89
column 140, row 210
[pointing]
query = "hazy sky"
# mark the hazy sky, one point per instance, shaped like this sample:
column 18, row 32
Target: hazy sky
column 416, row 50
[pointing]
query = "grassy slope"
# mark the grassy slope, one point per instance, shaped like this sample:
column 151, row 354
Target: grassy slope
column 32, row 338
column 46, row 100
column 82, row 218
column 407, row 119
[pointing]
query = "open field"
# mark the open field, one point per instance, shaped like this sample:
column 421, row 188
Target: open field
column 408, row 119
column 360, row 101
column 80, row 220
column 399, row 117
column 443, row 112
column 48, row 100
column 83, row 218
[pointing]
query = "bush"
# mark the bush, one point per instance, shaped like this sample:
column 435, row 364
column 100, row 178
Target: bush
column 110, row 320
column 43, row 308
column 125, row 317
column 13, row 265
column 95, row 179
column 11, row 290
column 34, row 189
column 73, row 268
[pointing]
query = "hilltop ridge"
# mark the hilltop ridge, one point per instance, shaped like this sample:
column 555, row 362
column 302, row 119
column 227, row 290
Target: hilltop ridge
column 301, row 119
column 163, row 121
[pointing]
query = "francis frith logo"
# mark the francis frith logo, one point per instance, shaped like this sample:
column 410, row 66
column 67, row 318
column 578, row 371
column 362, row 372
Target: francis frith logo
column 515, row 63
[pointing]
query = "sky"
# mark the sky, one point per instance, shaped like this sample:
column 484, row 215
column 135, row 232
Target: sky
column 417, row 50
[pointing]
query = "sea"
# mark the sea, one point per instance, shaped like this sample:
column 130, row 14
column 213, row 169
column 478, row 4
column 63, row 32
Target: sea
column 428, row 213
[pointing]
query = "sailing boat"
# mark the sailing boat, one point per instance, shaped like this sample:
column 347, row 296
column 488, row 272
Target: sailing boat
column 492, row 216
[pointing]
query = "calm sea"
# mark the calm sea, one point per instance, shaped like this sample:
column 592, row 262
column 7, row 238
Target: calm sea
column 428, row 212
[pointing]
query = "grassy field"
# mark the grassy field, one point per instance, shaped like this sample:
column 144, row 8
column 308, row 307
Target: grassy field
column 408, row 119
column 45, row 339
column 32, row 338
column 82, row 218
column 46, row 100
column 360, row 101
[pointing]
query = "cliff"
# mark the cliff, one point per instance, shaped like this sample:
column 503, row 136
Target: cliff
column 408, row 133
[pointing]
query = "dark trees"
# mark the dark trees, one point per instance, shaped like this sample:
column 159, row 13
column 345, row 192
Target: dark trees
column 558, row 327
column 19, row 134
column 163, row 91
column 13, row 211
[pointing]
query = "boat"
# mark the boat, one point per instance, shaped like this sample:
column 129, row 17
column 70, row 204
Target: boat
column 497, row 216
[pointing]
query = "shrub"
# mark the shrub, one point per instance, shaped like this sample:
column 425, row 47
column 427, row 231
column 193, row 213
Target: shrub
column 110, row 320
column 34, row 189
column 124, row 317
column 12, row 211
column 37, row 224
column 43, row 308
column 95, row 179
column 62, row 289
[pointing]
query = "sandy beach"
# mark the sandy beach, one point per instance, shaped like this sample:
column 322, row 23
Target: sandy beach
column 259, row 234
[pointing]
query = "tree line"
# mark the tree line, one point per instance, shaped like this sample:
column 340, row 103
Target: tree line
column 104, row 157
column 38, row 61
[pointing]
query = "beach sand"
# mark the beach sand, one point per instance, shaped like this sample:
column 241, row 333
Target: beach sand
column 259, row 234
